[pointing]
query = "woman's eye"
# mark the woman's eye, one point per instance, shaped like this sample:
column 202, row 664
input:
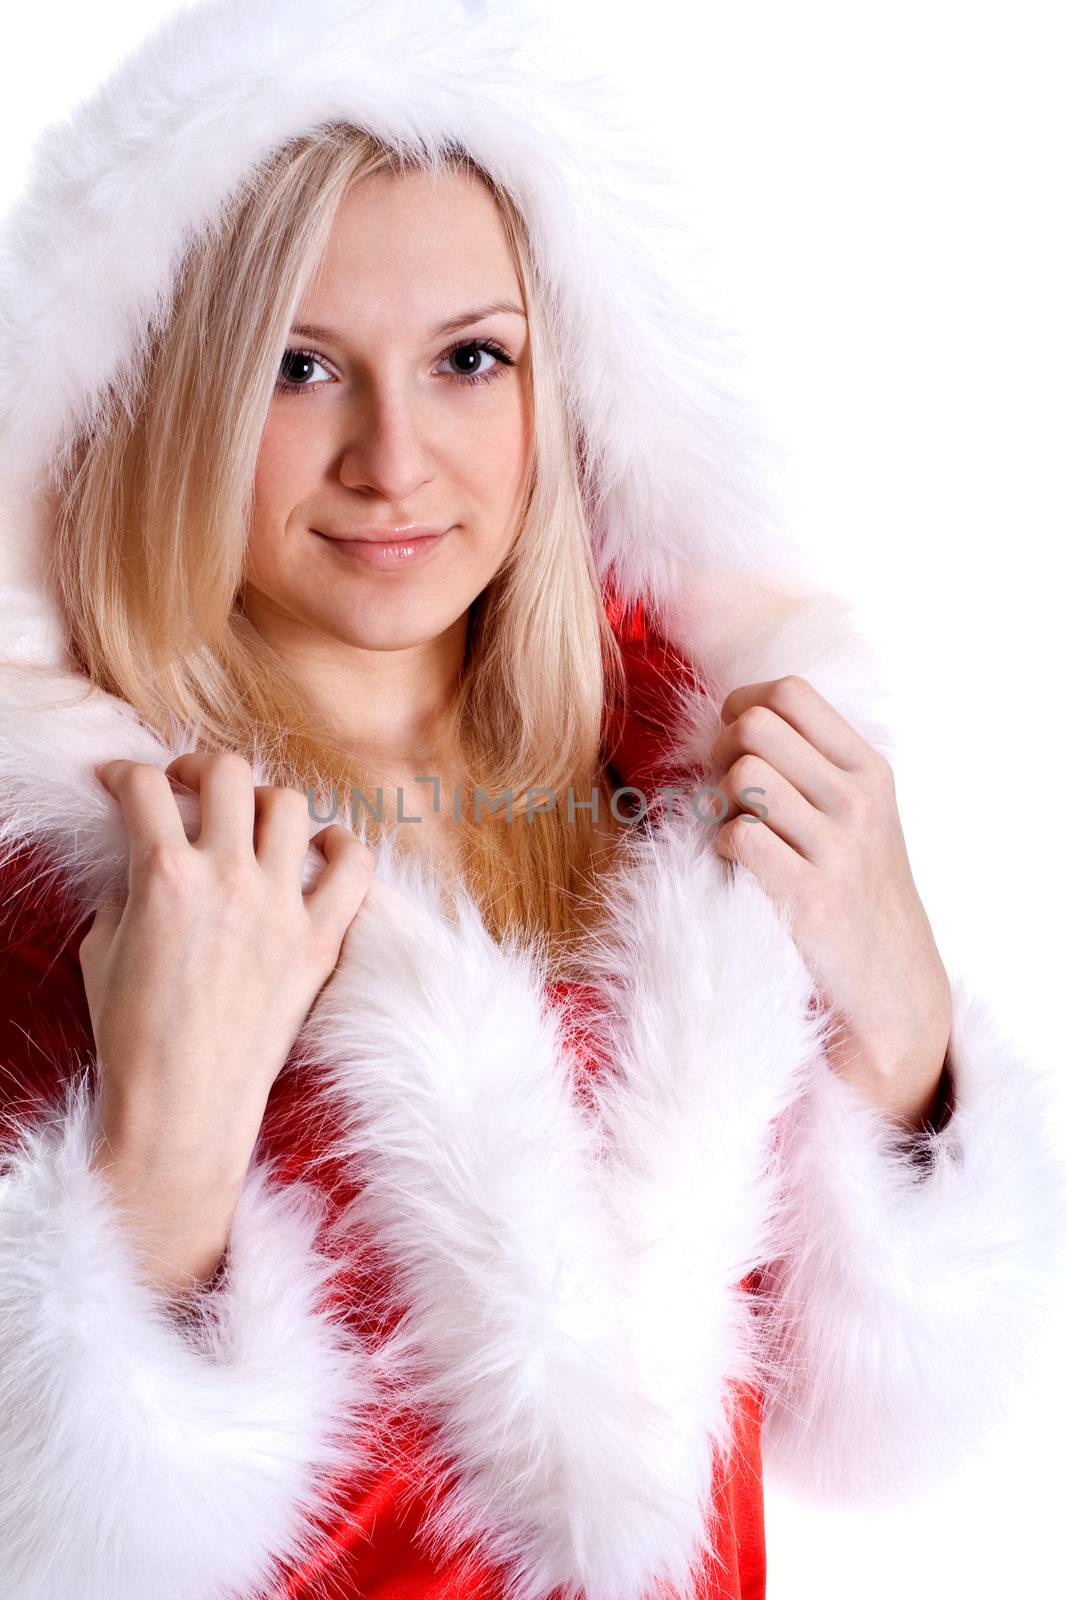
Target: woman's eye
column 469, row 358
column 296, row 367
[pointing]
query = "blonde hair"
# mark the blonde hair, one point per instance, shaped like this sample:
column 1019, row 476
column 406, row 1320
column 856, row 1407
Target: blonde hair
column 151, row 528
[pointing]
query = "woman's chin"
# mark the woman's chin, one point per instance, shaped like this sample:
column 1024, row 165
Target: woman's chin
column 395, row 627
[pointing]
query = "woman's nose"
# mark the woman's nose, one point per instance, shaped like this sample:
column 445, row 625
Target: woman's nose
column 387, row 449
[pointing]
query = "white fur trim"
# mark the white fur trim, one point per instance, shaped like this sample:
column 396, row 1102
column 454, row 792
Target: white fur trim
column 139, row 1457
column 573, row 1280
column 909, row 1302
column 738, row 633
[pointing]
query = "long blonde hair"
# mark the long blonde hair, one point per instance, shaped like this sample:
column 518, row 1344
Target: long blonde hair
column 151, row 530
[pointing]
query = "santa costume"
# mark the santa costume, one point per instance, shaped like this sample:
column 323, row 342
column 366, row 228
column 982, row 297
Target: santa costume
column 528, row 1282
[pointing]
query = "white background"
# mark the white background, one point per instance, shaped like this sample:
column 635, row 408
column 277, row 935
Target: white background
column 881, row 189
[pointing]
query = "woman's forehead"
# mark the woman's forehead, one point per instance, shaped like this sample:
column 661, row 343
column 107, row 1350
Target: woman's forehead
column 419, row 258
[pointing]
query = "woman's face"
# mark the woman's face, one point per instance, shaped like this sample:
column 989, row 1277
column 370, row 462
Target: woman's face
column 384, row 417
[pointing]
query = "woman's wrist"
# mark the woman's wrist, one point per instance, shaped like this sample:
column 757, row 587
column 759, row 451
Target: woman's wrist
column 177, row 1193
column 180, row 1224
column 207, row 1153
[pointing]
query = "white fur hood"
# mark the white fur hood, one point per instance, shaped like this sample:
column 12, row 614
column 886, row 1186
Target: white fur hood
column 576, row 1317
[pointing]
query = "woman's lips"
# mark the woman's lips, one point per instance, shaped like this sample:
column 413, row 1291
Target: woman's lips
column 389, row 556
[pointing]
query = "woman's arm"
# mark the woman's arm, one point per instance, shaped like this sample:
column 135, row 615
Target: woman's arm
column 916, row 1276
column 143, row 1453
column 149, row 1443
column 913, row 1271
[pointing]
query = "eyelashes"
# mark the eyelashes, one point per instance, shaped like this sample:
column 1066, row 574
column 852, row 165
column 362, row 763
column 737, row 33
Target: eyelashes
column 501, row 361
column 490, row 347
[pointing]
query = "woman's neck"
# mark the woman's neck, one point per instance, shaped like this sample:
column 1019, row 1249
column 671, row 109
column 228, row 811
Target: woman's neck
column 386, row 704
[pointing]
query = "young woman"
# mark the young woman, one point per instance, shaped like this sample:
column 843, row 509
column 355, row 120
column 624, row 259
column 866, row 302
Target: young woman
column 478, row 1076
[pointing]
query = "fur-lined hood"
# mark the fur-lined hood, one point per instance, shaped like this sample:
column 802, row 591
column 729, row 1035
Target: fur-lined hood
column 577, row 1319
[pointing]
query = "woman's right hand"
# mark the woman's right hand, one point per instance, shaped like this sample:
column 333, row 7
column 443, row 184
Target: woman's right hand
column 198, row 986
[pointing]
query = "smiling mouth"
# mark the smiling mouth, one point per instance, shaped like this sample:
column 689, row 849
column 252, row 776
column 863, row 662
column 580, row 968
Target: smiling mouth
column 386, row 555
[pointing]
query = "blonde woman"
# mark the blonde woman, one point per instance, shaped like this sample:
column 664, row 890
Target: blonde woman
column 478, row 1076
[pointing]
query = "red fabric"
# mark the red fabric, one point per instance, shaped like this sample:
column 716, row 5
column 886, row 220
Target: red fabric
column 372, row 1550
column 639, row 729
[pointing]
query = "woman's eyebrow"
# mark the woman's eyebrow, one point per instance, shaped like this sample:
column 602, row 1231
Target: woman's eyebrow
column 317, row 330
column 475, row 315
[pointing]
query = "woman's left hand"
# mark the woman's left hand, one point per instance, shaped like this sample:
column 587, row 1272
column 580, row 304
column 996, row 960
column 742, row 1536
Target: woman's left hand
column 829, row 849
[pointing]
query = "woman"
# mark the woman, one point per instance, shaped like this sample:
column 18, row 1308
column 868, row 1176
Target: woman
column 471, row 1214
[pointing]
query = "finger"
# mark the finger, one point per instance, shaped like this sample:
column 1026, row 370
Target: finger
column 147, row 803
column 283, row 827
column 97, row 931
column 110, row 908
column 756, row 730
column 781, row 871
column 752, row 782
column 343, row 882
column 800, row 704
column 223, row 781
column 105, row 918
